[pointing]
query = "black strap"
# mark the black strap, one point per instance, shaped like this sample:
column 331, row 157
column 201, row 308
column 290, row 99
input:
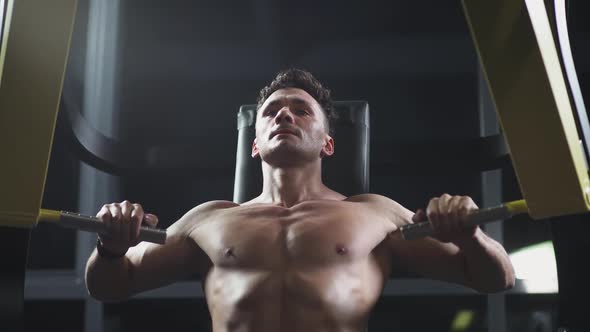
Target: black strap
column 105, row 253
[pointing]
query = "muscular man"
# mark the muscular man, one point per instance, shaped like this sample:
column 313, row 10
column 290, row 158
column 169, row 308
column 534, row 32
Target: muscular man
column 299, row 257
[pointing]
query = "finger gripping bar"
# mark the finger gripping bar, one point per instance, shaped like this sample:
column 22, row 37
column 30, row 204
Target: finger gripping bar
column 482, row 216
column 94, row 225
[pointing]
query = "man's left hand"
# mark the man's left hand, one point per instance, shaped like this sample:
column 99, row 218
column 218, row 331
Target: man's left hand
column 447, row 215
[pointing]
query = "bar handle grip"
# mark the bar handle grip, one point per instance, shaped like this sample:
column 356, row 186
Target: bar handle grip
column 479, row 217
column 94, row 225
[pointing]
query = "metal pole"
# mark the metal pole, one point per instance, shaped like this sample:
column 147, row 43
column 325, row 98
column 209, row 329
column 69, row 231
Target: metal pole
column 96, row 187
column 491, row 186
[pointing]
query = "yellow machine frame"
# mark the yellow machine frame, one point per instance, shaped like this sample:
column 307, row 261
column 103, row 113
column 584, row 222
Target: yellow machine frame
column 35, row 46
column 520, row 60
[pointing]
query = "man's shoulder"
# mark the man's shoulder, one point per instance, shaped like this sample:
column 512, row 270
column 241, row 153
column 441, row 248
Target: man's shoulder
column 370, row 198
column 379, row 203
column 212, row 206
column 203, row 210
column 384, row 206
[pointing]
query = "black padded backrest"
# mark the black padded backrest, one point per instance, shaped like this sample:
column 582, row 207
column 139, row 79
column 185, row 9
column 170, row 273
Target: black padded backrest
column 347, row 171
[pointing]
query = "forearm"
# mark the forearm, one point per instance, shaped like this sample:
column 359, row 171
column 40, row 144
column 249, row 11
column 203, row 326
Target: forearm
column 487, row 266
column 108, row 279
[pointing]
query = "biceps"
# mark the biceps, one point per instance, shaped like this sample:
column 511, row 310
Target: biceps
column 154, row 266
column 429, row 258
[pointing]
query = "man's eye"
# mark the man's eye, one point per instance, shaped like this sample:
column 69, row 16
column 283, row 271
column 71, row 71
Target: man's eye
column 301, row 112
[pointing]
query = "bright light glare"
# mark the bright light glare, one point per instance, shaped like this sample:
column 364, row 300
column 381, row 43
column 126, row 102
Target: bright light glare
column 536, row 266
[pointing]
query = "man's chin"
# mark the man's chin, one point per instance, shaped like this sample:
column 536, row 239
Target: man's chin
column 285, row 155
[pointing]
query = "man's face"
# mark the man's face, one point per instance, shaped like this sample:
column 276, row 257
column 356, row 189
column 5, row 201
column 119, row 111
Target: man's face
column 291, row 130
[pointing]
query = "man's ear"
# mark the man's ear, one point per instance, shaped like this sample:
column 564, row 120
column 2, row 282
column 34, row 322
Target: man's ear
column 255, row 152
column 328, row 148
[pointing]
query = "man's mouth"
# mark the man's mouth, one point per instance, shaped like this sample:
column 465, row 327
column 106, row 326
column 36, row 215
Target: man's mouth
column 283, row 132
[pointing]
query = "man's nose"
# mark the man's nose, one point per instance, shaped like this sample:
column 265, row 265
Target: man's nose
column 284, row 114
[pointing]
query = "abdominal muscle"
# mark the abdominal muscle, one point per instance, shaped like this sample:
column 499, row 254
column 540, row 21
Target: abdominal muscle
column 321, row 298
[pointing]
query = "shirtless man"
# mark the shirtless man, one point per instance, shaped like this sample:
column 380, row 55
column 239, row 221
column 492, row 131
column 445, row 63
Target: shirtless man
column 299, row 257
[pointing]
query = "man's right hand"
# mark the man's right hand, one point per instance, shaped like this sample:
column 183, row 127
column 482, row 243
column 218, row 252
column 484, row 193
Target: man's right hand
column 123, row 221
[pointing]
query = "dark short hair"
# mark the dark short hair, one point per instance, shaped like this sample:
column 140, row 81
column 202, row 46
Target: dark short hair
column 304, row 80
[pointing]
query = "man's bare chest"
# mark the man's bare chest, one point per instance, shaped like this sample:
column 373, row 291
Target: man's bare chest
column 271, row 237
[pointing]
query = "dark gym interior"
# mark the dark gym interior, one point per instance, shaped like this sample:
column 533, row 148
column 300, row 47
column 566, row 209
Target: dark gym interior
column 174, row 74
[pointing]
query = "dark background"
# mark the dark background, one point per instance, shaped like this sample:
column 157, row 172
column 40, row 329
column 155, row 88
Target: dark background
column 183, row 68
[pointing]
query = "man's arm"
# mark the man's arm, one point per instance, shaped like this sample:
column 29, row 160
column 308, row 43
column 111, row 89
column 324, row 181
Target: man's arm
column 456, row 253
column 145, row 265
column 482, row 264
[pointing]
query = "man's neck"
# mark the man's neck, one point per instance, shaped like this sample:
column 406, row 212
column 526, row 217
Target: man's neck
column 289, row 186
